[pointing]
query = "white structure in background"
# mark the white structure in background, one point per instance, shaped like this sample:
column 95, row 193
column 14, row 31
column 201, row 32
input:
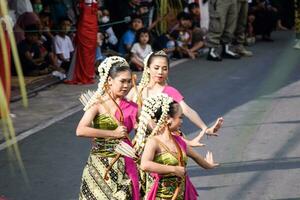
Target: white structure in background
column 20, row 6
column 203, row 12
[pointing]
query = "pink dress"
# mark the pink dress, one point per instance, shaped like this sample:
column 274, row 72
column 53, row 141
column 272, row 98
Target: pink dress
column 174, row 93
column 190, row 192
column 130, row 111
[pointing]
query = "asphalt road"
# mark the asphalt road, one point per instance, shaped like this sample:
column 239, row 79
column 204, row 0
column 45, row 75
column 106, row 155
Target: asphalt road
column 258, row 147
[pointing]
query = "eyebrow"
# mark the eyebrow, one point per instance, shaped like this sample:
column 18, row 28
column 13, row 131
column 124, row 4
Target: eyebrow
column 126, row 79
column 161, row 66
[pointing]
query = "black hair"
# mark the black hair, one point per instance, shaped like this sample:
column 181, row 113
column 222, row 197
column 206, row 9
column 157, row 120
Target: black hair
column 44, row 14
column 174, row 107
column 32, row 29
column 135, row 16
column 156, row 54
column 140, row 31
column 174, row 34
column 61, row 20
column 144, row 4
column 191, row 6
column 184, row 16
column 117, row 68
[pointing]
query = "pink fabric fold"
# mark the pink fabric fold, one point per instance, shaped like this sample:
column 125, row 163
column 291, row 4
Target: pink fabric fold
column 132, row 172
column 130, row 110
column 190, row 192
column 152, row 193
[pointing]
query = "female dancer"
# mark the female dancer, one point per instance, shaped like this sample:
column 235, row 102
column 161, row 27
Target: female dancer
column 154, row 81
column 108, row 118
column 165, row 154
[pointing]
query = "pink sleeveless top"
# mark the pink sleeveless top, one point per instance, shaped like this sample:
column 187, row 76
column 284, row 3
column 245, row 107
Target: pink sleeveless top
column 174, row 93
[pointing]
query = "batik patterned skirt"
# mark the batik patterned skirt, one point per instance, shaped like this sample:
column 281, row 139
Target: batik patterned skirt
column 93, row 184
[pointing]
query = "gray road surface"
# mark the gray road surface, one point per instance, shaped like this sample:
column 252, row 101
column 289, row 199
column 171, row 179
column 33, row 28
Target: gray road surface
column 258, row 147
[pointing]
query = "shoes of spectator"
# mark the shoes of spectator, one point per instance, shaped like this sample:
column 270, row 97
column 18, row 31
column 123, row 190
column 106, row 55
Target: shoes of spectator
column 250, row 41
column 213, row 55
column 241, row 50
column 227, row 53
column 297, row 45
column 59, row 75
column 12, row 115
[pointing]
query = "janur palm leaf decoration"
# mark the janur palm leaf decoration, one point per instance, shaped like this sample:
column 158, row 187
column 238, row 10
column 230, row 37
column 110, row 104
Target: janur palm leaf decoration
column 169, row 8
column 6, row 122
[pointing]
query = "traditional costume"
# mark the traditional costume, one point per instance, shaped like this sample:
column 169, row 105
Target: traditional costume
column 155, row 186
column 105, row 177
column 164, row 187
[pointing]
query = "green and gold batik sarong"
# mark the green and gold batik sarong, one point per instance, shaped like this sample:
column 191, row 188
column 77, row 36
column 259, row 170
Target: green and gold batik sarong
column 93, row 186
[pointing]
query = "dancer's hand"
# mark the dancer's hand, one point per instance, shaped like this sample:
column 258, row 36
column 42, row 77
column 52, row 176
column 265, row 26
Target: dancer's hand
column 212, row 131
column 120, row 132
column 195, row 143
column 179, row 171
column 209, row 158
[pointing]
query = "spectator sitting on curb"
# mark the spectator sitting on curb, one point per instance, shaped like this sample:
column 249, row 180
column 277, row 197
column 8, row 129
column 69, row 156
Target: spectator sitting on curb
column 141, row 48
column 265, row 18
column 47, row 38
column 194, row 11
column 128, row 37
column 63, row 45
column 190, row 37
column 32, row 60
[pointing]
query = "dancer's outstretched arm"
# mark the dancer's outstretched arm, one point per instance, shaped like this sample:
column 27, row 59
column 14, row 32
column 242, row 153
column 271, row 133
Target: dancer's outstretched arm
column 194, row 117
column 206, row 163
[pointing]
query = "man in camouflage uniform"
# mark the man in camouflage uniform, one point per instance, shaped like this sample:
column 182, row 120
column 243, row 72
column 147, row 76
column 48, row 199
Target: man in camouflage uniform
column 222, row 24
column 241, row 23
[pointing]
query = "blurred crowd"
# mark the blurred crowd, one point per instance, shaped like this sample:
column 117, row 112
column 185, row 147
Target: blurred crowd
column 45, row 30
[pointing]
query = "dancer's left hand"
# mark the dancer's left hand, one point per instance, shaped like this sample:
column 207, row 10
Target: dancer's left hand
column 212, row 131
column 209, row 158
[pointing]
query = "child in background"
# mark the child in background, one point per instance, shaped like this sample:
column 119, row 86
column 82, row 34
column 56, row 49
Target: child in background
column 141, row 48
column 63, row 45
column 129, row 36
